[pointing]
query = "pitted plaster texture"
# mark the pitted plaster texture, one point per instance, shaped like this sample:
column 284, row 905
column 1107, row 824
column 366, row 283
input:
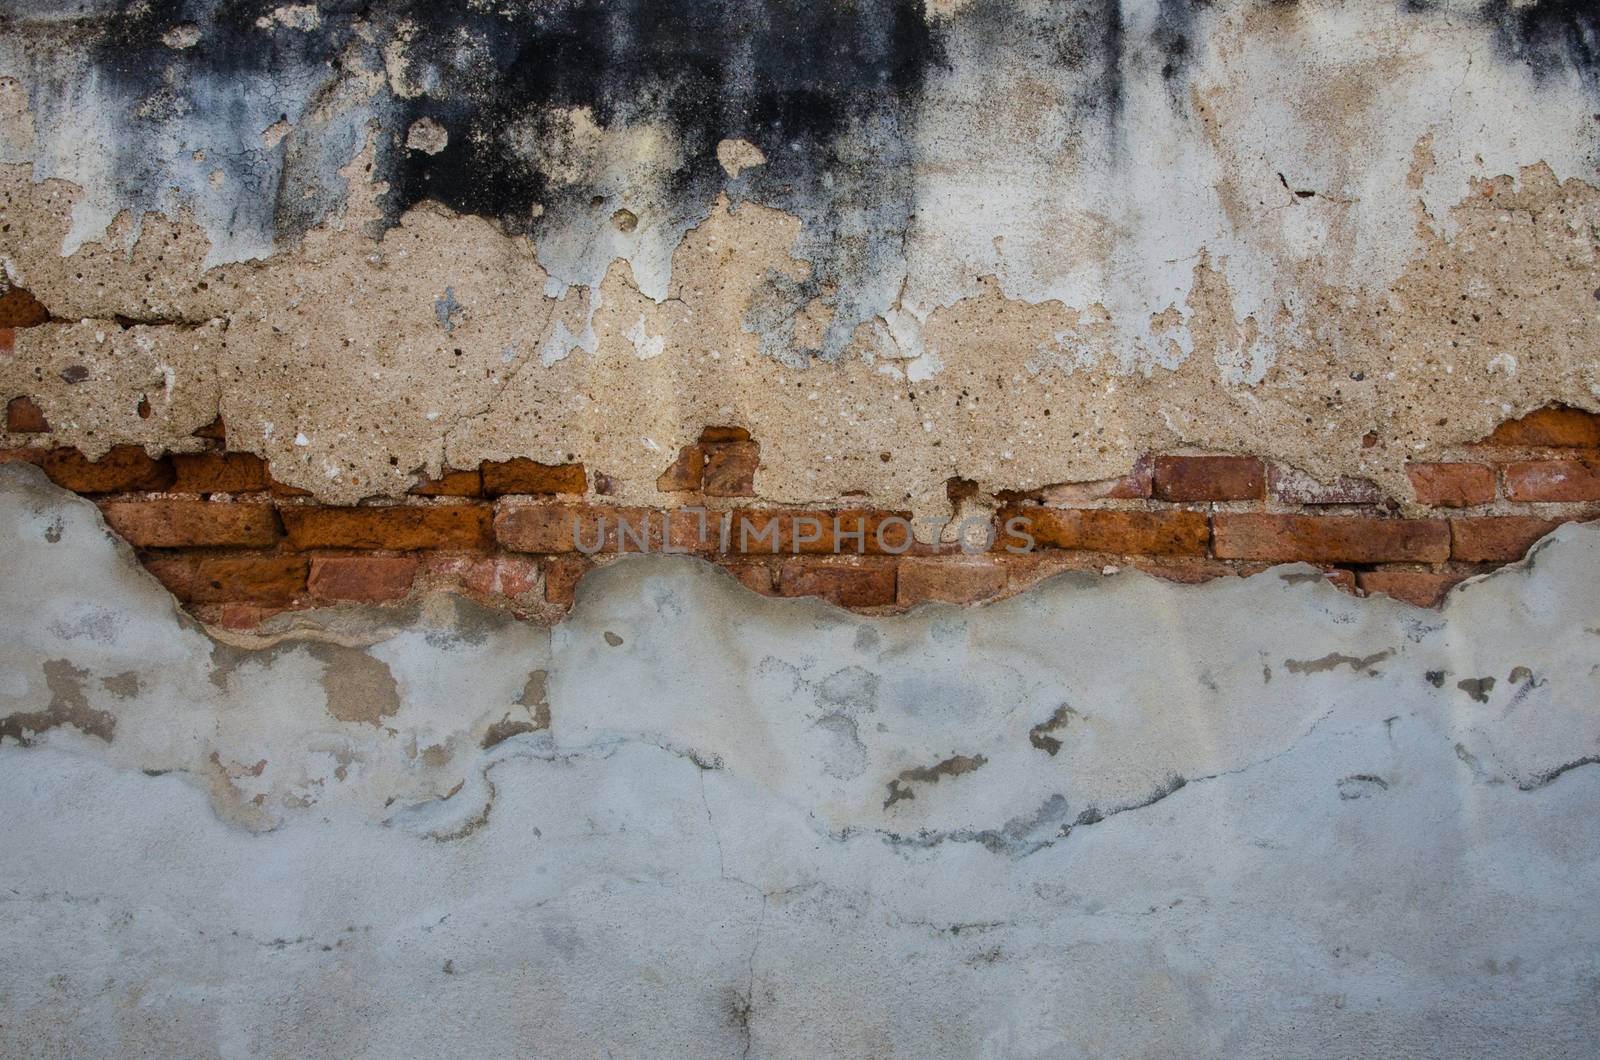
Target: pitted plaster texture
column 1108, row 817
column 1017, row 244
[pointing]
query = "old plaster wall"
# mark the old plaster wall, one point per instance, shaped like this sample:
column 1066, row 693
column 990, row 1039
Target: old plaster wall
column 905, row 245
column 1018, row 243
column 694, row 821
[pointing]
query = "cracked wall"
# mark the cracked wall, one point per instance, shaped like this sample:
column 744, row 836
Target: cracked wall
column 689, row 820
column 1015, row 243
column 344, row 314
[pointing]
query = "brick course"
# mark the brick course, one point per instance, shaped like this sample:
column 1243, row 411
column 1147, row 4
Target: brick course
column 269, row 546
column 394, row 528
column 1348, row 539
column 166, row 523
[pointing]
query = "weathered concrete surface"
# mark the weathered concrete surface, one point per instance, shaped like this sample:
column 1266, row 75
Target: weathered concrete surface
column 1110, row 817
column 1019, row 243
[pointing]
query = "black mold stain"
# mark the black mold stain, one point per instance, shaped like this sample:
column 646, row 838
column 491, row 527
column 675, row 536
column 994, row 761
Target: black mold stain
column 830, row 90
column 1550, row 36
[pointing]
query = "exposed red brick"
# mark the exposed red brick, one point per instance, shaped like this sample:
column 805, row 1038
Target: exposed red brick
column 218, row 473
column 1340, row 578
column 176, row 572
column 24, row 456
column 573, row 527
column 1329, row 539
column 124, row 469
column 1452, row 485
column 686, row 472
column 214, row 430
column 772, row 531
column 243, row 617
column 24, row 417
column 1134, row 485
column 20, row 309
column 1421, row 588
column 250, row 579
column 1103, row 530
column 714, row 435
column 165, row 523
column 280, row 489
column 8, row 341
column 849, row 581
column 362, row 577
column 1494, row 539
column 1553, row 425
column 400, row 529
column 1293, row 486
column 730, row 469
column 950, row 579
column 497, row 575
column 753, row 574
column 1553, row 480
column 561, row 577
column 451, row 484
column 1209, row 478
column 1183, row 571
column 527, row 476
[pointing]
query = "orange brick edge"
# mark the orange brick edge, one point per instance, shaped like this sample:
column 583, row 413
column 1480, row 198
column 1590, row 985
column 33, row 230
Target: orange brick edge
column 237, row 547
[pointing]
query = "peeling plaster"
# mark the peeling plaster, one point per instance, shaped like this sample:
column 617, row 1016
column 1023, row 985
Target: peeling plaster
column 1018, row 245
column 670, row 851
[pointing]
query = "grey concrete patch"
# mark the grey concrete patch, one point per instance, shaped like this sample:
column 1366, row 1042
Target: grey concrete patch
column 689, row 852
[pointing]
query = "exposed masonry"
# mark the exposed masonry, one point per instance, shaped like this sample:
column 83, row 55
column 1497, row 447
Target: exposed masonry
column 1275, row 816
column 239, row 548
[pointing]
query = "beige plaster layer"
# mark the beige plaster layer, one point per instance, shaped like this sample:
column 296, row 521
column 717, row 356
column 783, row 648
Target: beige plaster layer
column 353, row 362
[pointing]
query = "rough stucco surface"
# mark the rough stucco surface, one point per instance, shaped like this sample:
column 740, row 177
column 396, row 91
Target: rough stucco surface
column 1017, row 243
column 693, row 821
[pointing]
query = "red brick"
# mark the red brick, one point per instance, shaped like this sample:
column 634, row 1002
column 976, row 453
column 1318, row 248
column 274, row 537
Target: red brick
column 8, row 341
column 24, row 417
column 279, row 489
column 1553, row 480
column 176, row 573
column 250, row 579
column 1413, row 587
column 362, row 577
column 716, row 435
column 572, row 527
column 561, row 577
column 1104, row 530
column 124, row 469
column 24, row 456
column 526, row 476
column 1329, row 539
column 192, row 523
column 493, row 575
column 244, row 618
column 214, row 430
column 218, row 473
column 731, row 469
column 402, row 529
column 1293, row 486
column 1183, row 571
column 1452, row 485
column 1496, row 539
column 845, row 581
column 451, row 484
column 686, row 473
column 1132, row 486
column 773, row 531
column 753, row 574
column 20, row 309
column 1553, row 425
column 1209, row 478
column 951, row 579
